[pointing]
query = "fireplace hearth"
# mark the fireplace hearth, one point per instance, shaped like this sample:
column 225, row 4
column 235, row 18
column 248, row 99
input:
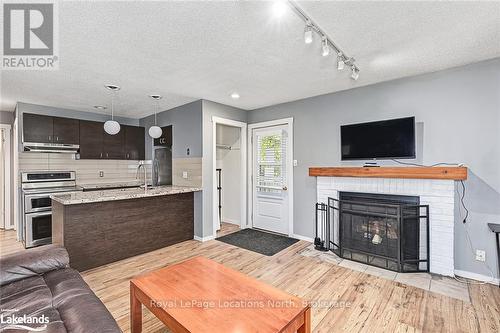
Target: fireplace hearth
column 387, row 231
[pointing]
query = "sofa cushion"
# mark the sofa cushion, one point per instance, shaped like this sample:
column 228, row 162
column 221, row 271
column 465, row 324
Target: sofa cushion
column 32, row 262
column 30, row 297
column 79, row 308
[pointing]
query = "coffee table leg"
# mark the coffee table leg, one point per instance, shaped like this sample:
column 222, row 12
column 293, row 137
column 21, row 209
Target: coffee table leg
column 306, row 328
column 135, row 312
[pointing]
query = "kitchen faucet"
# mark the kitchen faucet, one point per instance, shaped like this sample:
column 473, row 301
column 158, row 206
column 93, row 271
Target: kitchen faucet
column 142, row 164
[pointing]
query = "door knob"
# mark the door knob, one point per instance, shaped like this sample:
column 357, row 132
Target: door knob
column 285, row 188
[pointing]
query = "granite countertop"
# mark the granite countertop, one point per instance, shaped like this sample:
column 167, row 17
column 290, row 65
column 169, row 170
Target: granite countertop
column 75, row 198
column 97, row 186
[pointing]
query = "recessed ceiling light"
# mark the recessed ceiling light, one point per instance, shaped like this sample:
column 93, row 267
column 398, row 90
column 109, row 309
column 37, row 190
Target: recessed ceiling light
column 112, row 87
column 100, row 107
column 157, row 97
column 279, row 8
column 235, row 95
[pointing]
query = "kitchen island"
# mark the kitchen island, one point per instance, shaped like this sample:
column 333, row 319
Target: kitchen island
column 101, row 227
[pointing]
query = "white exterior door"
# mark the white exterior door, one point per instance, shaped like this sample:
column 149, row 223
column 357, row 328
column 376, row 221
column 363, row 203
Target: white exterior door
column 270, row 179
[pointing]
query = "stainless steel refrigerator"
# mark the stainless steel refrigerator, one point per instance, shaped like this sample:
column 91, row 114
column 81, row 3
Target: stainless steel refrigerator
column 162, row 166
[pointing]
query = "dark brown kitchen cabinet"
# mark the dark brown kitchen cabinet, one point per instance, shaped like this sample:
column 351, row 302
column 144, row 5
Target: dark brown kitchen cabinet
column 134, row 143
column 91, row 139
column 66, row 130
column 37, row 128
column 165, row 139
column 113, row 145
column 47, row 129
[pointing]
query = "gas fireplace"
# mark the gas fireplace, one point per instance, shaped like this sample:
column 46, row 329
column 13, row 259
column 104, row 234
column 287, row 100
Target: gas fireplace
column 387, row 231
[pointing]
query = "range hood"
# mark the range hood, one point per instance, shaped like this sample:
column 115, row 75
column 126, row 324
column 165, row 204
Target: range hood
column 36, row 147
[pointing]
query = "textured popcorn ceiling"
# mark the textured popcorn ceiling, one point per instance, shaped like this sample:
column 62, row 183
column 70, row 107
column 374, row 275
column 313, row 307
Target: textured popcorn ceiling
column 191, row 50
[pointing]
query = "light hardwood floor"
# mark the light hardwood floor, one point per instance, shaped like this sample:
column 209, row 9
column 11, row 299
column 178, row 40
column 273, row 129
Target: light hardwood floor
column 365, row 303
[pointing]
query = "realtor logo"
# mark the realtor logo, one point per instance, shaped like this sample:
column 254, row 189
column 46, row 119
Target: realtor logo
column 29, row 32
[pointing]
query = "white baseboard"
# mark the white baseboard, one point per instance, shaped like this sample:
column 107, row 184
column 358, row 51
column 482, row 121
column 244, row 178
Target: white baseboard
column 475, row 276
column 204, row 239
column 304, row 238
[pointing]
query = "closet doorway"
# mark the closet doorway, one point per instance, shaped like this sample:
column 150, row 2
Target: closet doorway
column 229, row 173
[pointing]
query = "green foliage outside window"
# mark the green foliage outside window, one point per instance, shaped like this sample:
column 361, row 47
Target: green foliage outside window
column 271, row 142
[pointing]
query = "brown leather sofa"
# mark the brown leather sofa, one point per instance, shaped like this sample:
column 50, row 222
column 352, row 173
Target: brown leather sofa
column 40, row 282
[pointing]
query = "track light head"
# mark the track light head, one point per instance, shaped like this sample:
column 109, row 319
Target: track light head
column 308, row 34
column 354, row 73
column 325, row 49
column 340, row 62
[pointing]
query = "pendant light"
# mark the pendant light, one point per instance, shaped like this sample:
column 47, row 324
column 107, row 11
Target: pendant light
column 155, row 131
column 112, row 127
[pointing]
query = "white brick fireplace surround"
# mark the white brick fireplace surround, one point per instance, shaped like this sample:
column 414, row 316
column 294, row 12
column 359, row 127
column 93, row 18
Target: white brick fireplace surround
column 438, row 194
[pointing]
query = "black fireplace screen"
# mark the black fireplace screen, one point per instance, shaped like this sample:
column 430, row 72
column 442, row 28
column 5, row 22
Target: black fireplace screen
column 387, row 231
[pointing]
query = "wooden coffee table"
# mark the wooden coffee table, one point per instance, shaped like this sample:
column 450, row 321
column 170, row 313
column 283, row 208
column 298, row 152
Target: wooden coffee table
column 200, row 295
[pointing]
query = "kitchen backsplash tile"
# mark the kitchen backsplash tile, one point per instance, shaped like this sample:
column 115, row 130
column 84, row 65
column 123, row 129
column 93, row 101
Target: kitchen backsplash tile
column 87, row 171
column 190, row 165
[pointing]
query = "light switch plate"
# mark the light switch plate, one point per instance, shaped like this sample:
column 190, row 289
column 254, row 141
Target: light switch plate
column 480, row 255
column 184, row 174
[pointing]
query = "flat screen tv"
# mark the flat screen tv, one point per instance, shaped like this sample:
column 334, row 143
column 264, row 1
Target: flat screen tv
column 387, row 139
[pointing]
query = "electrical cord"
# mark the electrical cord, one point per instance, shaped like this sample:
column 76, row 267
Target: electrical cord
column 463, row 203
column 464, row 221
column 428, row 166
column 469, row 241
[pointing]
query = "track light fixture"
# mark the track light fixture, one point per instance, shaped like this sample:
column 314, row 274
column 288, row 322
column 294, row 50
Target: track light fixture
column 325, row 49
column 308, row 34
column 340, row 62
column 354, row 73
column 326, row 42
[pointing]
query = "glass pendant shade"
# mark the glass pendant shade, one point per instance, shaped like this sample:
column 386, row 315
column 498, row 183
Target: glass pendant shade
column 111, row 127
column 155, row 132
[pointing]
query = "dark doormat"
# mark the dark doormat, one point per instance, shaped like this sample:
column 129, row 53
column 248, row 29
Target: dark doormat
column 258, row 241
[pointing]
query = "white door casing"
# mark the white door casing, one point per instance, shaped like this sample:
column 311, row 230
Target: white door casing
column 243, row 156
column 271, row 176
column 7, row 219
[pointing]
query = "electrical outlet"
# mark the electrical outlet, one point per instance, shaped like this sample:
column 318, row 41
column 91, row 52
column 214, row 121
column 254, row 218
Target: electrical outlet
column 185, row 174
column 101, row 174
column 480, row 255
column 295, row 163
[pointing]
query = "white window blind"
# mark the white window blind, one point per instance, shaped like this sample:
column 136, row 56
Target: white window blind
column 271, row 159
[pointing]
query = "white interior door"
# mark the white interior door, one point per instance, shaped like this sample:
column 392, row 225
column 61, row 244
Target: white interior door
column 270, row 179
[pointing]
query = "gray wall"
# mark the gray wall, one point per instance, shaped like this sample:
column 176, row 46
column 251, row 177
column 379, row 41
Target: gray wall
column 211, row 109
column 186, row 129
column 6, row 117
column 460, row 112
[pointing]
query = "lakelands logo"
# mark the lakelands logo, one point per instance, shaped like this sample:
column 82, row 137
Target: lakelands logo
column 30, row 36
column 26, row 323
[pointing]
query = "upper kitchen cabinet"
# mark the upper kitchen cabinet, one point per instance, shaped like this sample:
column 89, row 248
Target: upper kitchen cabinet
column 38, row 128
column 91, row 139
column 128, row 144
column 134, row 142
column 113, row 145
column 165, row 139
column 66, row 130
column 47, row 129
